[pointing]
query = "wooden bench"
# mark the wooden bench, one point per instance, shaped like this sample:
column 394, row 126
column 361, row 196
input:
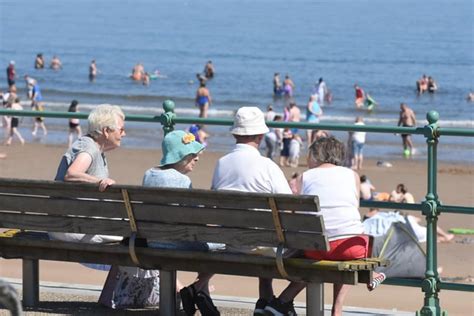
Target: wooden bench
column 234, row 218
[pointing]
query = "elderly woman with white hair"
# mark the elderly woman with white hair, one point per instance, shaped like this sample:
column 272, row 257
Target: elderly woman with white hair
column 85, row 161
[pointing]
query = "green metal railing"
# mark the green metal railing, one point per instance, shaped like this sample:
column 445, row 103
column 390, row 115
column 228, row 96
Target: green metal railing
column 431, row 207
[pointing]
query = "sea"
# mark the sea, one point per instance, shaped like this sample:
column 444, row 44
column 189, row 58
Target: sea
column 383, row 46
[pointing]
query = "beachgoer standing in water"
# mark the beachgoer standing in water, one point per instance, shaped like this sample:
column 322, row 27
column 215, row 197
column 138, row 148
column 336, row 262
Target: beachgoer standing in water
column 313, row 113
column 56, row 63
column 288, row 86
column 277, row 91
column 322, row 90
column 407, row 119
column 37, row 105
column 359, row 96
column 39, row 61
column 203, row 99
column 209, row 70
column 92, row 70
column 11, row 73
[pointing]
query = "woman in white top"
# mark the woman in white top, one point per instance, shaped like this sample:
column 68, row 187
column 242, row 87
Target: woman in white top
column 338, row 190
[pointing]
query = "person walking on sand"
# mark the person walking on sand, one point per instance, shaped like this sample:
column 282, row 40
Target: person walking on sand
column 11, row 73
column 245, row 170
column 359, row 96
column 407, row 119
column 92, row 70
column 74, row 124
column 15, row 121
column 203, row 100
column 358, row 142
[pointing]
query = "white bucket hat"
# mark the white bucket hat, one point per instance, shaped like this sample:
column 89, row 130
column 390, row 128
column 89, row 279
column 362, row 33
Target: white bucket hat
column 249, row 120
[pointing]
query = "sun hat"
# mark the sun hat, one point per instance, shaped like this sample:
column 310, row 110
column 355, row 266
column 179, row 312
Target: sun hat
column 249, row 120
column 178, row 144
column 12, row 62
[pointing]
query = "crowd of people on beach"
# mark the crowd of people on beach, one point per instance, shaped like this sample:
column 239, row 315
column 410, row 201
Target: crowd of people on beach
column 11, row 100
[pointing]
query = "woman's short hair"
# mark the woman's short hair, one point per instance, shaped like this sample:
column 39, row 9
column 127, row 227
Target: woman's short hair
column 327, row 150
column 103, row 116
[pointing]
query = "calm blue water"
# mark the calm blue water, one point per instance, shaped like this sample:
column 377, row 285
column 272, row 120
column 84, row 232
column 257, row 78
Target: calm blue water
column 384, row 46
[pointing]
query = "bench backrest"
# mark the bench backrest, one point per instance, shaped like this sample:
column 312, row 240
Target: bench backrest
column 229, row 217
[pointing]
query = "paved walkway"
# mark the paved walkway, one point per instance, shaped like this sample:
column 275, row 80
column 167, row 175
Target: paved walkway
column 78, row 299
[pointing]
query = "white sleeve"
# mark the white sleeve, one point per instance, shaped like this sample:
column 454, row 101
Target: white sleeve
column 279, row 182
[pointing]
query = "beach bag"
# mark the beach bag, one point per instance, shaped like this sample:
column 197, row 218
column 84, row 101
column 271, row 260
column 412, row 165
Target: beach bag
column 131, row 287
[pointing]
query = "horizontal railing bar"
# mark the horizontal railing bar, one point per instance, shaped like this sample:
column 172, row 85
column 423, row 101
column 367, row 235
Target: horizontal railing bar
column 334, row 127
column 456, row 287
column 229, row 122
column 79, row 115
column 442, row 285
column 442, row 131
column 456, row 209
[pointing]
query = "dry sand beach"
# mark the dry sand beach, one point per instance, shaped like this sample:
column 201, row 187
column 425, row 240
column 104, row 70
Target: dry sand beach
column 455, row 187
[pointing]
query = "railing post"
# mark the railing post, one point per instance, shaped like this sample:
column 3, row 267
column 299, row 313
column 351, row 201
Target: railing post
column 167, row 118
column 430, row 285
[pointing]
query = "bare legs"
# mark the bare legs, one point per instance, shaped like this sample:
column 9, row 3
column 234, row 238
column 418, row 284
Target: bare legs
column 203, row 110
column 339, row 294
column 14, row 131
column 39, row 124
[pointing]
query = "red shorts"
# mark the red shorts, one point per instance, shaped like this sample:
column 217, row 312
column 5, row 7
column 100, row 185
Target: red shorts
column 356, row 247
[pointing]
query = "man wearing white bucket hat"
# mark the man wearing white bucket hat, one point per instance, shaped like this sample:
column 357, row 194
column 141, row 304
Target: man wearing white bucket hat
column 244, row 169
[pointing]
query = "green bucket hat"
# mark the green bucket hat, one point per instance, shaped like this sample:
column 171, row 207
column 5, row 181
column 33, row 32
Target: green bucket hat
column 178, row 144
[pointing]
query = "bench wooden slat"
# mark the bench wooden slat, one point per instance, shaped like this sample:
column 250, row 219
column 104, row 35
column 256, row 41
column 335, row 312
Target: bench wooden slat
column 166, row 232
column 65, row 224
column 223, row 263
column 218, row 199
column 56, row 206
column 226, row 217
column 226, row 199
column 161, row 213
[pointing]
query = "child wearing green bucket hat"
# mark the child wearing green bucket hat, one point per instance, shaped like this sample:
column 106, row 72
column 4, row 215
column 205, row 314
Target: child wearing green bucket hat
column 180, row 154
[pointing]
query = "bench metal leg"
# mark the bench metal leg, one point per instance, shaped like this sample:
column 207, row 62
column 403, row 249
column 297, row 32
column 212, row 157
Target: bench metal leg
column 30, row 282
column 167, row 293
column 315, row 299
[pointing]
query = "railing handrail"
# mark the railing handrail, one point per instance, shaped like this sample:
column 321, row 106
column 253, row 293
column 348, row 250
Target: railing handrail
column 228, row 122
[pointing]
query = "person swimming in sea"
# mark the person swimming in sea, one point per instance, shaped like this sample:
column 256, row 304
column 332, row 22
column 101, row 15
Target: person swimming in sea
column 203, row 99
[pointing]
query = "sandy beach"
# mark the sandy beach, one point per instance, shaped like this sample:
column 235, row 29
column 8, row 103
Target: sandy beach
column 455, row 187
